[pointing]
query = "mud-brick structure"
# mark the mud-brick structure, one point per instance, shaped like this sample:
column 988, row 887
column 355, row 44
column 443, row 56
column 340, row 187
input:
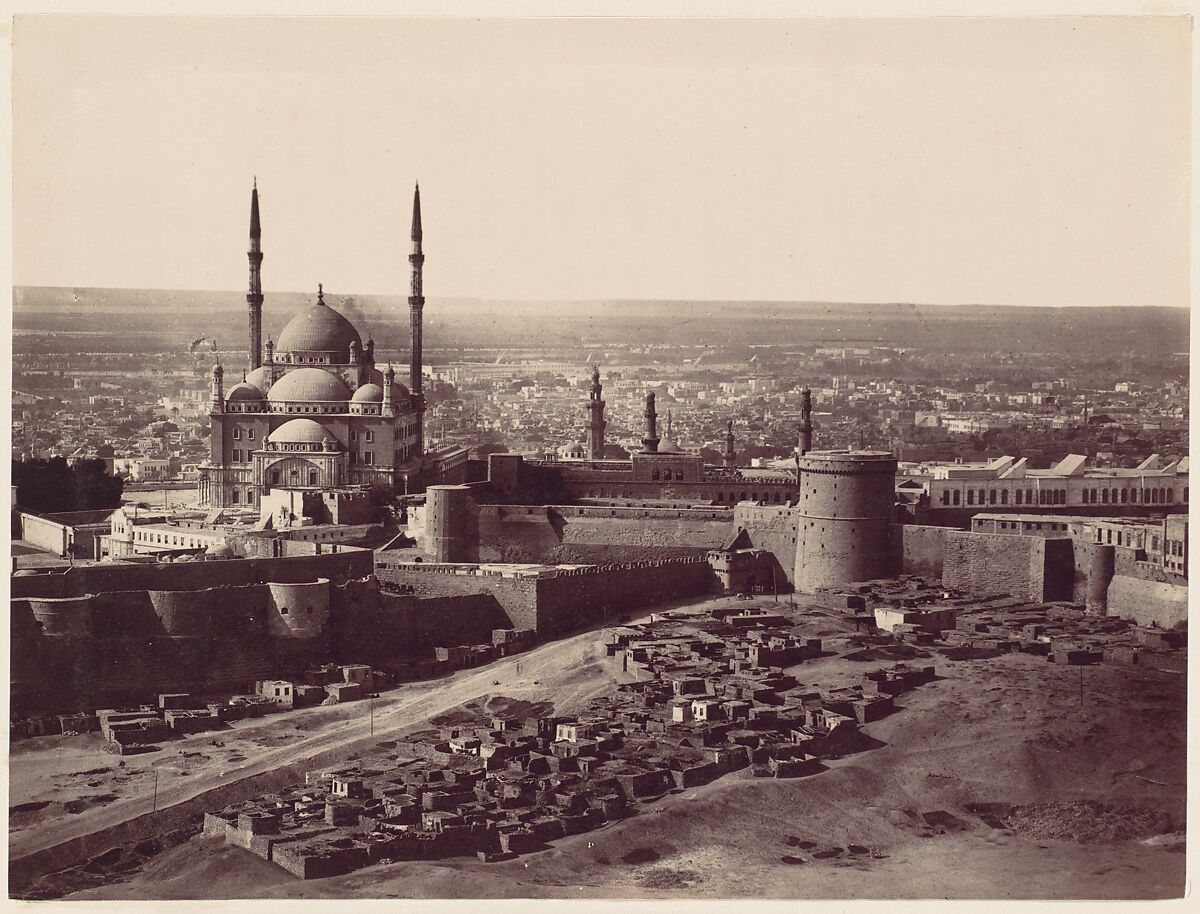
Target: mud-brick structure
column 845, row 513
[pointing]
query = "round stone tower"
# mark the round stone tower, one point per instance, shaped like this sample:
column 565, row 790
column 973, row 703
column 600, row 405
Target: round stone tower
column 844, row 518
column 451, row 524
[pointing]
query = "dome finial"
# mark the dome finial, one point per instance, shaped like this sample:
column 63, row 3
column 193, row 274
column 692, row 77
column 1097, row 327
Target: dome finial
column 320, row 294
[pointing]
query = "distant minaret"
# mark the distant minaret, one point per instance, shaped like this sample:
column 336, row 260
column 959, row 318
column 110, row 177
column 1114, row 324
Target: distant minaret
column 416, row 305
column 730, row 459
column 806, row 426
column 597, row 424
column 650, row 442
column 254, row 298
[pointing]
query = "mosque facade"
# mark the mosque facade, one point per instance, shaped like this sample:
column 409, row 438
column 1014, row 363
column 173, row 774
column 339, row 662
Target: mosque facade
column 314, row 411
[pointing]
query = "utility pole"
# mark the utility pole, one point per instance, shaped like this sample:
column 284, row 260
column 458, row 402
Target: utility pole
column 155, row 801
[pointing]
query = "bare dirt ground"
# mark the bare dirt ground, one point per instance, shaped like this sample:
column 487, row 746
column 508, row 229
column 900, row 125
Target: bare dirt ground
column 996, row 781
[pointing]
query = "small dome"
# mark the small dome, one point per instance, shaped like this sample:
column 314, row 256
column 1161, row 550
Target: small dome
column 369, row 393
column 667, row 446
column 318, row 328
column 309, row 385
column 245, row 391
column 260, row 379
column 299, row 431
column 219, row 552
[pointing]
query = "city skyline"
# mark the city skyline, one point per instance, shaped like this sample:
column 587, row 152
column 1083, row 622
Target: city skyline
column 602, row 159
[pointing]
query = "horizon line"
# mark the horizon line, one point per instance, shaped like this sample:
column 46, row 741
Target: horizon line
column 617, row 299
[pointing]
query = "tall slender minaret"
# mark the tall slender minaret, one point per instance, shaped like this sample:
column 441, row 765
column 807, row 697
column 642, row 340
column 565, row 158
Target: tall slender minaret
column 597, row 424
column 254, row 298
column 650, row 442
column 730, row 459
column 416, row 305
column 806, row 426
column 416, row 297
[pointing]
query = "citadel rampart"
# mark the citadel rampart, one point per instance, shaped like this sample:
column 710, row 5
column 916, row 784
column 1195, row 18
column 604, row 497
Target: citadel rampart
column 115, row 646
column 1146, row 593
column 565, row 534
column 774, row 528
column 555, row 601
column 1030, row 567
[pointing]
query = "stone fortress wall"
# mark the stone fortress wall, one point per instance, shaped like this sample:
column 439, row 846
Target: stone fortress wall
column 123, row 642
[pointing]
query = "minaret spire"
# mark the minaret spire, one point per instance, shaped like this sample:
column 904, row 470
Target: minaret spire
column 416, row 307
column 730, row 459
column 650, row 441
column 806, row 426
column 254, row 297
column 597, row 424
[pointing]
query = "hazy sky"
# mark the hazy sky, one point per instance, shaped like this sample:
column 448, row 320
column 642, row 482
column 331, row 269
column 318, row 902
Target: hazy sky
column 1029, row 162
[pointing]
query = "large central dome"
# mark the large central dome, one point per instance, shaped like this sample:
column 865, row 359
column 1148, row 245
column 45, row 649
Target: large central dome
column 318, row 328
column 309, row 385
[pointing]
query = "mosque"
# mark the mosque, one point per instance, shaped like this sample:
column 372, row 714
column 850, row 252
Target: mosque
column 314, row 412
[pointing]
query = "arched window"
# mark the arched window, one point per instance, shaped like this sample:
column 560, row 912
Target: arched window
column 991, row 496
column 654, row 475
column 1104, row 495
column 1020, row 493
column 1124, row 496
column 970, row 496
column 956, row 496
column 679, row 474
column 1004, row 496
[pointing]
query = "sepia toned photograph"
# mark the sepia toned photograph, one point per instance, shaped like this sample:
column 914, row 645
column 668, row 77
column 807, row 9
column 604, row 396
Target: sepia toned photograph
column 595, row 458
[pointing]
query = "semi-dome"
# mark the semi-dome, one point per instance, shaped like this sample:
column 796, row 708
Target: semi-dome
column 309, row 385
column 319, row 328
column 369, row 393
column 260, row 379
column 299, row 431
column 373, row 393
column 244, row 391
